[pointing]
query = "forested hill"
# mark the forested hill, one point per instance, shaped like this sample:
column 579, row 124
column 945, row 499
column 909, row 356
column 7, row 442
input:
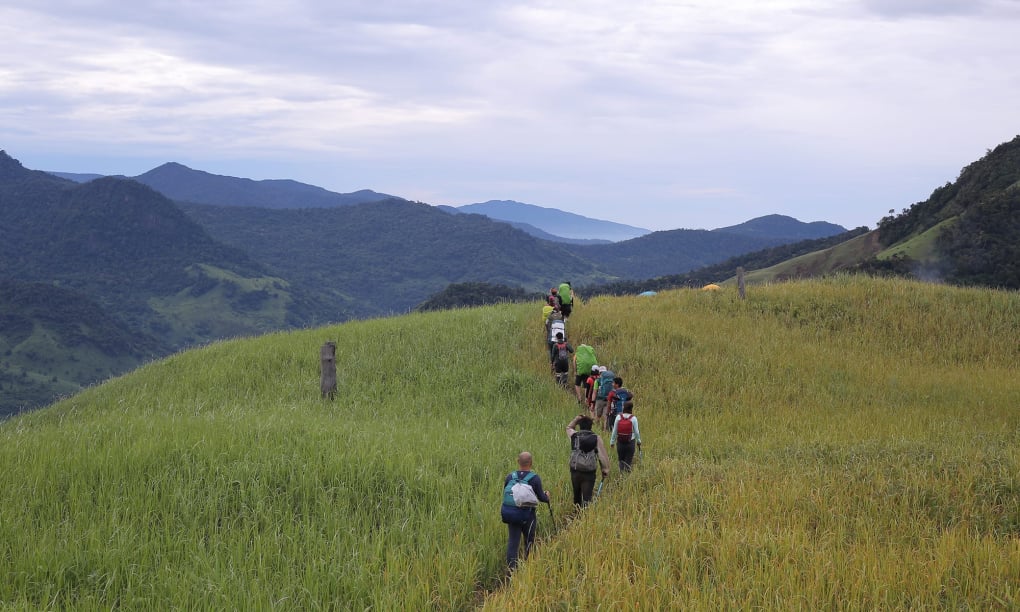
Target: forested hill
column 389, row 256
column 54, row 340
column 968, row 231
column 136, row 254
column 785, row 228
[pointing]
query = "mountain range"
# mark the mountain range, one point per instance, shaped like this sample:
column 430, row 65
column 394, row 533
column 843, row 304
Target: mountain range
column 565, row 225
column 203, row 263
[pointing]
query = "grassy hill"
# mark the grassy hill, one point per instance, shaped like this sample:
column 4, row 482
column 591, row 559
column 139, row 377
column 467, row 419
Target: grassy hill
column 848, row 443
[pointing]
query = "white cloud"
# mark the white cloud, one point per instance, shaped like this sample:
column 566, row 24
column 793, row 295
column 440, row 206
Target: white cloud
column 696, row 114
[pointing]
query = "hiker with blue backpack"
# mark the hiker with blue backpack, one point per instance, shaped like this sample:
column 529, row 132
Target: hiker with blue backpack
column 603, row 387
column 522, row 491
column 616, row 399
column 626, row 436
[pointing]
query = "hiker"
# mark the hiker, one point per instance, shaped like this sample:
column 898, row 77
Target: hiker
column 588, row 387
column 587, row 454
column 615, row 400
column 626, row 436
column 566, row 299
column 553, row 325
column 520, row 514
column 547, row 311
column 559, row 356
column 603, row 386
column 584, row 360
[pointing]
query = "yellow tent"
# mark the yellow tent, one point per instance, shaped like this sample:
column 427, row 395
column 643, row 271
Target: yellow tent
column 711, row 287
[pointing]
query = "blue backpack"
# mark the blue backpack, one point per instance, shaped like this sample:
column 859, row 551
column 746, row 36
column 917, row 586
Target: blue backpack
column 518, row 491
column 605, row 384
column 622, row 395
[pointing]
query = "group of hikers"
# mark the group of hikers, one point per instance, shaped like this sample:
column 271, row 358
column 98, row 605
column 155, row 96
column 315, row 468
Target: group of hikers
column 605, row 404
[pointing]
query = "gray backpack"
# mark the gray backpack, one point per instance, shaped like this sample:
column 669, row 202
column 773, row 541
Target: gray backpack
column 584, row 453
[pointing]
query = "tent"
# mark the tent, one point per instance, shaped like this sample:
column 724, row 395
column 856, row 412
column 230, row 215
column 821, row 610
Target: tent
column 711, row 287
column 647, row 293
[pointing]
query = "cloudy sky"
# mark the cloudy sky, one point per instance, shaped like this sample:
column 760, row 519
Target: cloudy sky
column 693, row 114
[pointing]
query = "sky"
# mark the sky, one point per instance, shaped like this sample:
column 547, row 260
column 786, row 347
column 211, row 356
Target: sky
column 662, row 115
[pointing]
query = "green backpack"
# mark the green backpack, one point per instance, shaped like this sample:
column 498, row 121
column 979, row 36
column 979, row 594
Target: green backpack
column 585, row 356
column 564, row 293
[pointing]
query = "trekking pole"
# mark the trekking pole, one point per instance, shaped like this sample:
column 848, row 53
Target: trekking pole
column 552, row 517
column 602, row 481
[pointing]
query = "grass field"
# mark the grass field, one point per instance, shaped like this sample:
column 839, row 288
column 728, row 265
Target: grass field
column 847, row 443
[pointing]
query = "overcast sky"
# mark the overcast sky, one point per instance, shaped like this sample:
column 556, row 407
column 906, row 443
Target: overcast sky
column 663, row 115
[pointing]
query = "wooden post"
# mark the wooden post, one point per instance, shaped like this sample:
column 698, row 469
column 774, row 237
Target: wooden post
column 327, row 380
column 740, row 282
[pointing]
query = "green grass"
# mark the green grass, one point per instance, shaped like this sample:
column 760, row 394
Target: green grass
column 847, row 443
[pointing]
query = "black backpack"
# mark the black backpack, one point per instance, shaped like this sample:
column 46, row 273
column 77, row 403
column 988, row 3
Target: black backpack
column 562, row 355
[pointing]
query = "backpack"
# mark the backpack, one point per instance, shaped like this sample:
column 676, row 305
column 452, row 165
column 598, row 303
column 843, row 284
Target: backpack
column 605, row 384
column 584, row 456
column 622, row 395
column 585, row 358
column 624, row 428
column 564, row 293
column 557, row 326
column 519, row 493
column 562, row 356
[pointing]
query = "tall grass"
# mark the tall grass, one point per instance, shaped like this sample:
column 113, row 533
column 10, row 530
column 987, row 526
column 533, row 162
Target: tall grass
column 845, row 443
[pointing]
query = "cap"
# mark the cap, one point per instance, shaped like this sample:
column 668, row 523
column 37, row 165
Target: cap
column 602, row 368
column 594, row 368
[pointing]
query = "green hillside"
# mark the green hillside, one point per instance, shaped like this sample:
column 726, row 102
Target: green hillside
column 848, row 443
column 966, row 233
column 55, row 341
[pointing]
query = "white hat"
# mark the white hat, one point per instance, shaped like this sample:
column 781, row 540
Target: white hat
column 594, row 368
column 602, row 368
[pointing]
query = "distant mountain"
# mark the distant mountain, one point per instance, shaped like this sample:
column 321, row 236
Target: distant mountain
column 137, row 255
column 537, row 233
column 784, row 228
column 555, row 222
column 56, row 341
column 387, row 257
column 671, row 252
column 78, row 177
column 178, row 182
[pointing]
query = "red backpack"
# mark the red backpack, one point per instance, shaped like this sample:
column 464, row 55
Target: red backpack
column 624, row 428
